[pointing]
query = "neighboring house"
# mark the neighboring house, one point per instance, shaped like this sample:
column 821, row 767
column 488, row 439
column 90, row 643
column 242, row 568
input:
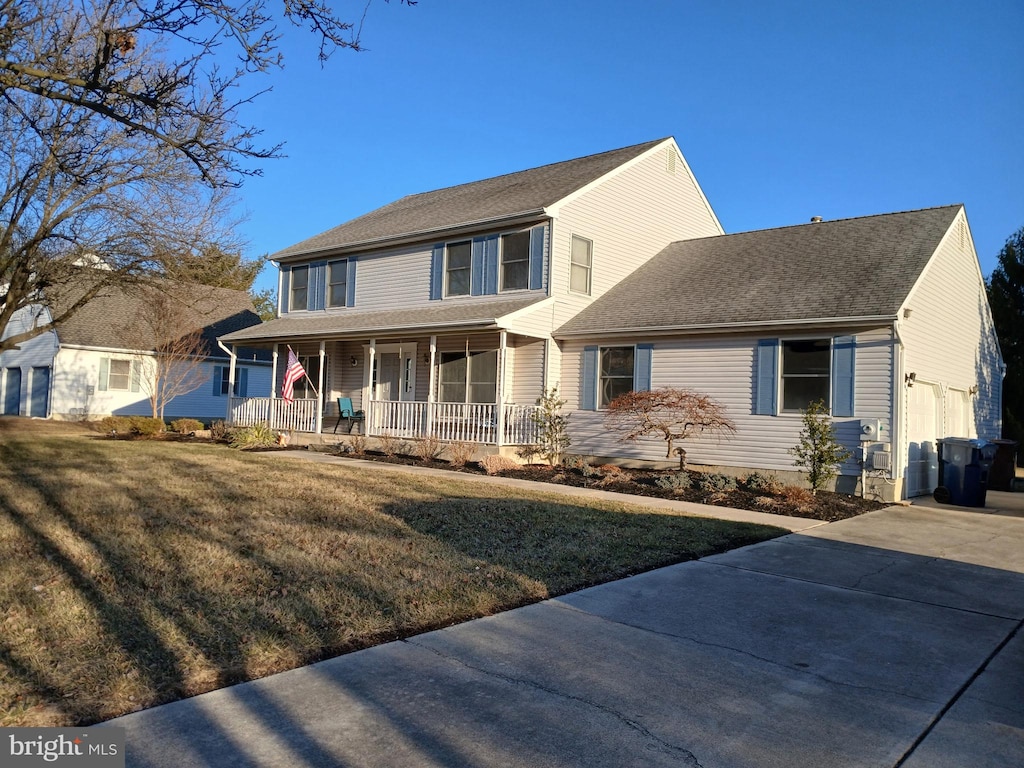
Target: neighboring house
column 100, row 361
column 450, row 312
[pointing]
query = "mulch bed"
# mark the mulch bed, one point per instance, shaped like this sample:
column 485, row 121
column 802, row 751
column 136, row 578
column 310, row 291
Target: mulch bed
column 792, row 501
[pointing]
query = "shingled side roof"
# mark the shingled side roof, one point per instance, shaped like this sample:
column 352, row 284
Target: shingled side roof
column 109, row 320
column 849, row 268
column 515, row 194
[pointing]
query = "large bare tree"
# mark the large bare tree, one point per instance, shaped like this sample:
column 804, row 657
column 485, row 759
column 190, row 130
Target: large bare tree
column 119, row 128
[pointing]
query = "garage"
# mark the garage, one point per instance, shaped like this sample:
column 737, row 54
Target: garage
column 924, row 427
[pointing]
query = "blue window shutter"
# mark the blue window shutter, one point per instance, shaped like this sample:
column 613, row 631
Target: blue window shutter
column 243, row 381
column 642, row 360
column 136, row 369
column 766, row 385
column 316, row 294
column 218, row 377
column 476, row 277
column 537, row 258
column 588, row 399
column 491, row 265
column 104, row 373
column 350, row 284
column 844, row 353
column 286, row 288
column 436, row 272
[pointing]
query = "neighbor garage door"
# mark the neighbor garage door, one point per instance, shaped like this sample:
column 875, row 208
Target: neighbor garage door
column 924, row 427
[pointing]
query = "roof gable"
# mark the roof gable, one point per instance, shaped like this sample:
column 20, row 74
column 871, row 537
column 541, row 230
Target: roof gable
column 849, row 268
column 512, row 195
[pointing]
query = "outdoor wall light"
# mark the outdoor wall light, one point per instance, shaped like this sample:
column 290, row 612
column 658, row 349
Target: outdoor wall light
column 353, row 361
column 973, row 390
column 910, row 378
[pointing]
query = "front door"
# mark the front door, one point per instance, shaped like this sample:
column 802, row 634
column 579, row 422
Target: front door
column 389, row 376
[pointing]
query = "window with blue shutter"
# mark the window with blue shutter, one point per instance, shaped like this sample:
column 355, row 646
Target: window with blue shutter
column 317, row 294
column 766, row 377
column 588, row 391
column 436, row 272
column 537, row 258
column 642, row 362
column 350, row 299
column 286, row 273
column 844, row 353
column 490, row 280
column 476, row 283
column 219, row 376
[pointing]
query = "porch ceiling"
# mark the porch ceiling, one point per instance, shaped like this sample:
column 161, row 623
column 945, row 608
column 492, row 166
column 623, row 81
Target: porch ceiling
column 345, row 322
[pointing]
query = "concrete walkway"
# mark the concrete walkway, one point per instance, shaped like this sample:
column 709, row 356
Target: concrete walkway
column 890, row 639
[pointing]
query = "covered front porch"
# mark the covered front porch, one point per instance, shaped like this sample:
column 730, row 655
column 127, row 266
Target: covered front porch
column 473, row 386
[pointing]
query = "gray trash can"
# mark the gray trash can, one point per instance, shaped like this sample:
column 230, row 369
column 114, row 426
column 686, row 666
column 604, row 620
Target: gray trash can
column 1004, row 466
column 964, row 466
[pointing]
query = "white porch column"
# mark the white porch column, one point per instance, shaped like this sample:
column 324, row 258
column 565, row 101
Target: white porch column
column 499, row 438
column 231, row 378
column 370, row 406
column 273, row 390
column 320, row 390
column 432, row 383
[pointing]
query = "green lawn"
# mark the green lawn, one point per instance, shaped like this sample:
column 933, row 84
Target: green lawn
column 135, row 573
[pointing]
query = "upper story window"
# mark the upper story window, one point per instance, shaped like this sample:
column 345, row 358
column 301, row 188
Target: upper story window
column 616, row 374
column 580, row 267
column 337, row 283
column 515, row 261
column 806, row 373
column 299, row 287
column 458, row 269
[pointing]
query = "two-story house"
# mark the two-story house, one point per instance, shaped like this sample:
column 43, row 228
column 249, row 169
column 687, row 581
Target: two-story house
column 449, row 313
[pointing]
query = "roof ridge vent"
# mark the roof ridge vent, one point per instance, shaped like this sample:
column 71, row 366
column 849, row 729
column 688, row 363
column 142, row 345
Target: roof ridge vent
column 816, row 219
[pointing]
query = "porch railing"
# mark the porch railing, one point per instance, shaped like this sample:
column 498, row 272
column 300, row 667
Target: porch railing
column 298, row 415
column 469, row 422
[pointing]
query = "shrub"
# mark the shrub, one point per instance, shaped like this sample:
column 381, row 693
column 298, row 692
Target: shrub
column 818, row 451
column 428, row 448
column 528, row 452
column 119, row 425
column 493, row 464
column 460, row 452
column 552, row 426
column 759, row 483
column 219, row 430
column 256, row 436
column 794, row 494
column 677, row 481
column 146, row 426
column 356, row 444
column 580, row 464
column 389, row 444
column 185, row 426
column 715, row 482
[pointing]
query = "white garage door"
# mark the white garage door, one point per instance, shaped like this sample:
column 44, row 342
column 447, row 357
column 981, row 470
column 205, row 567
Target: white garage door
column 924, row 427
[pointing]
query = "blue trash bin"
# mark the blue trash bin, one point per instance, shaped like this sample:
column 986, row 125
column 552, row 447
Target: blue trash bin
column 963, row 471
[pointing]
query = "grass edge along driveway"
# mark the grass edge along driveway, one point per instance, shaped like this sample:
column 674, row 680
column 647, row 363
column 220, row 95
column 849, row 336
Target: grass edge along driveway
column 137, row 573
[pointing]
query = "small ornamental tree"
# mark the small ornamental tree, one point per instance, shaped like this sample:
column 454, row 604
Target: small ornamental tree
column 819, row 452
column 673, row 414
column 552, row 426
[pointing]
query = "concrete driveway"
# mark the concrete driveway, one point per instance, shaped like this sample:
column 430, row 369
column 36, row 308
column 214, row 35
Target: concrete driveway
column 891, row 639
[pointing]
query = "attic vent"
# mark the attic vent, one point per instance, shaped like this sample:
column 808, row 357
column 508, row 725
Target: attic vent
column 671, row 160
column 963, row 233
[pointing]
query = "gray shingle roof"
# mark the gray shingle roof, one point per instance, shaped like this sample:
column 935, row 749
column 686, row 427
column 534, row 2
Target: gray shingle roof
column 422, row 319
column 113, row 319
column 863, row 267
column 514, row 194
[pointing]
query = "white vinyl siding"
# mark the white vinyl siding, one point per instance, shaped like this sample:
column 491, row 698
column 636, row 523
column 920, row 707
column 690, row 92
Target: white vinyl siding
column 955, row 354
column 723, row 367
column 630, row 217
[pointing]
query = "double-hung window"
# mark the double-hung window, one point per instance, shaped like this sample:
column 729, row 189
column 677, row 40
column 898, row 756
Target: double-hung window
column 806, row 373
column 458, row 269
column 515, row 261
column 616, row 374
column 299, row 288
column 580, row 267
column 120, row 375
column 468, row 378
column 337, row 283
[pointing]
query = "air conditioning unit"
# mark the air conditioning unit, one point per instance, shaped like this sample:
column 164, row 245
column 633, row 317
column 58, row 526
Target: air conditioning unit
column 869, row 430
column 881, row 460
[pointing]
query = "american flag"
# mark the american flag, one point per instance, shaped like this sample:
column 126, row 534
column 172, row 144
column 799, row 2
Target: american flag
column 292, row 373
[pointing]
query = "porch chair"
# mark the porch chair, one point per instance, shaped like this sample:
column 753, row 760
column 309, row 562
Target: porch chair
column 346, row 411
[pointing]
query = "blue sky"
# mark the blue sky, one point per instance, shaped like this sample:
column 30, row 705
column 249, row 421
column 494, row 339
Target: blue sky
column 784, row 110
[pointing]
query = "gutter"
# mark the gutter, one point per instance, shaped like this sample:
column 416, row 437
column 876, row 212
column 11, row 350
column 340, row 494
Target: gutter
column 728, row 327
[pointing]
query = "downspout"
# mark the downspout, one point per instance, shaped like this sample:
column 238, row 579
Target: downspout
column 499, row 437
column 231, row 378
column 898, row 405
column 272, row 410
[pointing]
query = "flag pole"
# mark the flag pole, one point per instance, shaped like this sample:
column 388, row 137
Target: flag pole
column 304, row 373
